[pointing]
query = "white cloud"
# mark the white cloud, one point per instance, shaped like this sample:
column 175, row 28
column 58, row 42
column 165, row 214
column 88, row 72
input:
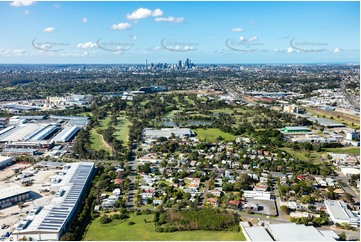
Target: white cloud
column 253, row 38
column 187, row 47
column 242, row 38
column 19, row 3
column 84, row 20
column 144, row 13
column 121, row 26
column 134, row 37
column 18, row 51
column 170, row 19
column 156, row 48
column 237, row 30
column 64, row 54
column 157, row 12
column 86, row 45
column 49, row 29
column 337, row 50
column 289, row 50
column 26, row 12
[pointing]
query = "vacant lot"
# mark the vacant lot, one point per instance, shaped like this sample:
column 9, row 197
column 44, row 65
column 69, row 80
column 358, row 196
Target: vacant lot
column 143, row 229
column 346, row 150
column 212, row 134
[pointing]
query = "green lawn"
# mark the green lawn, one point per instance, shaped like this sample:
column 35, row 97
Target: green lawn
column 212, row 134
column 122, row 128
column 97, row 142
column 118, row 230
column 303, row 155
column 190, row 101
column 227, row 111
column 347, row 150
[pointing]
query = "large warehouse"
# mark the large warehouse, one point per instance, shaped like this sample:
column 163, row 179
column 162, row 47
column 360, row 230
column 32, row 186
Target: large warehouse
column 54, row 219
column 66, row 134
column 339, row 213
column 167, row 132
column 286, row 232
column 296, row 129
column 10, row 196
column 5, row 161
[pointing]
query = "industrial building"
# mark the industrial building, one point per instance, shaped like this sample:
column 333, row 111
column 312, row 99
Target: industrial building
column 339, row 213
column 255, row 233
column 72, row 120
column 260, row 195
column 297, row 232
column 11, row 196
column 296, row 129
column 291, row 108
column 328, row 123
column 51, row 221
column 286, row 232
column 66, row 134
column 27, row 132
column 150, row 133
column 5, row 161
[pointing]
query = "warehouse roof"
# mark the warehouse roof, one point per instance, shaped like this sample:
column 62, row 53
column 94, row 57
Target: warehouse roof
column 54, row 216
column 296, row 128
column 327, row 122
column 258, row 234
column 339, row 209
column 296, row 232
column 66, row 134
column 167, row 132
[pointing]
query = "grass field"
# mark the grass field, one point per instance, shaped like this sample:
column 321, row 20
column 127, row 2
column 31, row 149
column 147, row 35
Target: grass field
column 122, row 128
column 97, row 142
column 346, row 150
column 212, row 134
column 227, row 111
column 118, row 230
column 303, row 155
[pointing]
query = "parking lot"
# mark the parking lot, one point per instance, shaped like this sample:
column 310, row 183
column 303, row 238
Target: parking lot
column 266, row 207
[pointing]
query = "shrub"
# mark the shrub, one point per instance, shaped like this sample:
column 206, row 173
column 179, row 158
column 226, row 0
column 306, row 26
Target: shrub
column 105, row 220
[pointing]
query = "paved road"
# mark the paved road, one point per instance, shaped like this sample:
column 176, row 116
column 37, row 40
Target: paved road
column 347, row 188
column 133, row 164
column 348, row 96
column 281, row 214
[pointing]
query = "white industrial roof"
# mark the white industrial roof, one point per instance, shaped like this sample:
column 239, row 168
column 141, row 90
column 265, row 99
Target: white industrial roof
column 54, row 216
column 66, row 134
column 167, row 132
column 297, row 128
column 258, row 234
column 22, row 132
column 296, row 232
column 339, row 209
column 12, row 191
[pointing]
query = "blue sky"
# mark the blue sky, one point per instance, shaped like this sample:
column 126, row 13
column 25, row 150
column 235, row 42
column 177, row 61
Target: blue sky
column 205, row 32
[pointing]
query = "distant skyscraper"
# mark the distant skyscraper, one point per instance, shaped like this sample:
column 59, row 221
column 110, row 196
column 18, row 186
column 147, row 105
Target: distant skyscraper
column 180, row 64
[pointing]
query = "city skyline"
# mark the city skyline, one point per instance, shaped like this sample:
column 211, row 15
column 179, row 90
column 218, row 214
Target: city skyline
column 165, row 32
